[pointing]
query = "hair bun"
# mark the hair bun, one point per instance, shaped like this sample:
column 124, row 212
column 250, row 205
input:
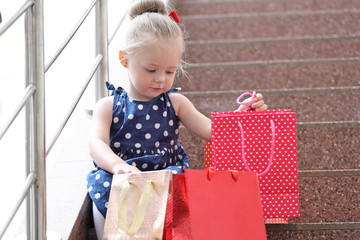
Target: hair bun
column 147, row 6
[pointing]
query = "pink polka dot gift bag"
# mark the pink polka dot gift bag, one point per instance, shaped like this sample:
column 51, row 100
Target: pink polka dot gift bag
column 265, row 143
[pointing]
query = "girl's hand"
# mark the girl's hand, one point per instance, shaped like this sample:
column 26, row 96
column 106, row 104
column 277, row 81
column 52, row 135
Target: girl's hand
column 257, row 104
column 123, row 167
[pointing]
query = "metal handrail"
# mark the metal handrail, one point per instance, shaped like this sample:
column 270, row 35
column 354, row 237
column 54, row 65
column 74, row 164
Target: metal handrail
column 119, row 25
column 30, row 180
column 29, row 91
column 70, row 36
column 36, row 228
column 16, row 16
column 75, row 103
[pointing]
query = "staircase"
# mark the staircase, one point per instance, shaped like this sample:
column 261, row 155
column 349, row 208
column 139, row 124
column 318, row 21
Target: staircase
column 302, row 55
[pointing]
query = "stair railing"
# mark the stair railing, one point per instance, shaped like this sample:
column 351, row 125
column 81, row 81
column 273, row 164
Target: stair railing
column 34, row 190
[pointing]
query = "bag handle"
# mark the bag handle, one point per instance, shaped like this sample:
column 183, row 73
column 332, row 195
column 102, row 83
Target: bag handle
column 140, row 210
column 246, row 101
column 271, row 151
column 212, row 171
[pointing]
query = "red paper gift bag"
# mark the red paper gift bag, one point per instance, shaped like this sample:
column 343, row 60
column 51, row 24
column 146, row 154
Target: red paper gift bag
column 224, row 205
column 264, row 142
column 177, row 219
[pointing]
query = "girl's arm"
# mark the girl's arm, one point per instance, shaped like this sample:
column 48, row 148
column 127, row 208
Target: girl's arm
column 198, row 123
column 192, row 119
column 99, row 140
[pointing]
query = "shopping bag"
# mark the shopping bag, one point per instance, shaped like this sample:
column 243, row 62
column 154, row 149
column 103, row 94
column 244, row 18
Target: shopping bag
column 264, row 142
column 207, row 154
column 137, row 205
column 224, row 205
column 177, row 219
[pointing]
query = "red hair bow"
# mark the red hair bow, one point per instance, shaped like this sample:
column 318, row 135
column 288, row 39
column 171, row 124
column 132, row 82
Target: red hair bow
column 174, row 16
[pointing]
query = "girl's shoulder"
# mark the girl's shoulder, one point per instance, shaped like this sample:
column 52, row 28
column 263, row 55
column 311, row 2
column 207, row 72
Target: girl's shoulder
column 104, row 105
column 178, row 101
column 105, row 101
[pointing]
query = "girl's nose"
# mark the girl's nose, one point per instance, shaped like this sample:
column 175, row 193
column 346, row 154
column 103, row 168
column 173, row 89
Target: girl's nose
column 160, row 77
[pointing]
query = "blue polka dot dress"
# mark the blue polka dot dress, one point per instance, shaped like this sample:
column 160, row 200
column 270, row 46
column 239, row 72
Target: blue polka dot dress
column 143, row 134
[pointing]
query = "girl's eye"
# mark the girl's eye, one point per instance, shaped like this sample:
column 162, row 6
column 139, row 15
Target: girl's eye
column 170, row 72
column 150, row 70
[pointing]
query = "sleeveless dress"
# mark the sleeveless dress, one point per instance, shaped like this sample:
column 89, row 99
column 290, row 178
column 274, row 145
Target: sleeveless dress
column 143, row 134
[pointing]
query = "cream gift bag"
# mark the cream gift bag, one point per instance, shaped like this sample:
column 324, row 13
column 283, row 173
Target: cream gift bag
column 137, row 205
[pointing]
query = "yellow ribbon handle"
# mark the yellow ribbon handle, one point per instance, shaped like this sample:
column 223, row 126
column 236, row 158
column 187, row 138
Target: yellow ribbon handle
column 140, row 210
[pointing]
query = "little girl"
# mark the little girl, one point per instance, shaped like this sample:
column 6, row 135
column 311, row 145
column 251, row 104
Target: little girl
column 137, row 129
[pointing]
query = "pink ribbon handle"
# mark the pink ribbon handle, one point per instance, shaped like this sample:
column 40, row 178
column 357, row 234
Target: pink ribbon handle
column 246, row 101
column 271, row 151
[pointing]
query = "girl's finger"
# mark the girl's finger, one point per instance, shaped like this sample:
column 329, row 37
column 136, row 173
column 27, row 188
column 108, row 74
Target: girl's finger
column 258, row 97
column 262, row 108
column 257, row 104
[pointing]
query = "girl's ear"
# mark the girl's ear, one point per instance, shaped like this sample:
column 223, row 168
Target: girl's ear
column 123, row 59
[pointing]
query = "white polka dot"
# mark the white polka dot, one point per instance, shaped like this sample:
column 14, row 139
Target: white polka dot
column 177, row 131
column 164, row 113
column 147, row 116
column 148, row 136
column 128, row 135
column 172, row 142
column 140, row 107
column 157, row 125
column 107, row 204
column 116, row 144
column 144, row 165
column 116, row 120
column 97, row 195
column 90, row 188
column 137, row 145
column 134, row 164
column 157, row 144
column 174, row 171
column 155, row 107
column 166, row 133
column 138, row 126
column 156, row 166
column 171, row 122
column 97, row 176
column 106, row 184
column 131, row 116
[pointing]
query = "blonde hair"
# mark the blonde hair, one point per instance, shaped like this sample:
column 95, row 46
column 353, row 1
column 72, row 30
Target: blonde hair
column 150, row 18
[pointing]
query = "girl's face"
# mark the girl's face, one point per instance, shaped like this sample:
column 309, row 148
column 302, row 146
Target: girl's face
column 152, row 68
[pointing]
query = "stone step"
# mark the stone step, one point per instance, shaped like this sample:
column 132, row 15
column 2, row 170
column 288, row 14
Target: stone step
column 272, row 25
column 329, row 198
column 310, row 105
column 265, row 49
column 303, row 55
column 326, row 146
column 332, row 230
column 220, row 7
column 320, row 146
column 317, row 73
